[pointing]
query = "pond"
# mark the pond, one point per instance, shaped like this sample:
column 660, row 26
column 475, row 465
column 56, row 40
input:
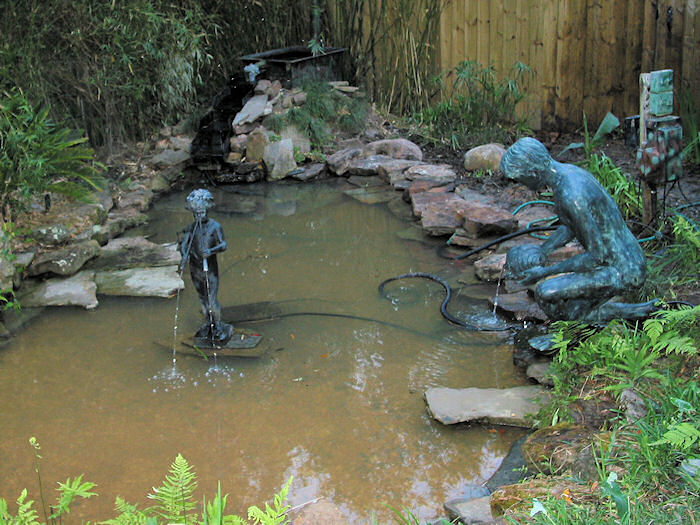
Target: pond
column 336, row 402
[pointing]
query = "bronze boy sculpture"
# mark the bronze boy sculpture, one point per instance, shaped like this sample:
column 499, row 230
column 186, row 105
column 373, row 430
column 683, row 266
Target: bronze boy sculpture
column 583, row 286
column 203, row 239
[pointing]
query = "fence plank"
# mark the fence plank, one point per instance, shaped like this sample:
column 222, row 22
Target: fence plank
column 570, row 58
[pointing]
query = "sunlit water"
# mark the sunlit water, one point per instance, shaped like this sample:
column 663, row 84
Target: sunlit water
column 337, row 403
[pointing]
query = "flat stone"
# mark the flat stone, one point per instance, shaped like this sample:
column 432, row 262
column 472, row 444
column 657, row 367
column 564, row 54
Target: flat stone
column 339, row 161
column 322, row 512
column 77, row 290
column 140, row 198
column 490, row 268
column 520, row 305
column 162, row 281
column 539, row 371
column 497, row 406
column 118, row 221
column 171, row 157
column 470, row 511
column 131, row 252
column 310, row 172
column 301, row 142
column 395, row 148
column 440, row 213
column 64, row 261
column 251, row 111
column 438, row 174
column 393, row 171
column 370, row 195
column 366, row 166
column 483, row 220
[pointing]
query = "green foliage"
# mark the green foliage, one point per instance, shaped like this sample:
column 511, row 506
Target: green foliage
column 67, row 492
column 620, row 187
column 690, row 117
column 115, row 69
column 325, row 109
column 609, row 123
column 174, row 502
column 275, row 514
column 37, row 155
column 478, row 107
column 676, row 264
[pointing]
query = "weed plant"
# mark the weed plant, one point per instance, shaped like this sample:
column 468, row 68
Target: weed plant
column 477, row 107
column 620, row 187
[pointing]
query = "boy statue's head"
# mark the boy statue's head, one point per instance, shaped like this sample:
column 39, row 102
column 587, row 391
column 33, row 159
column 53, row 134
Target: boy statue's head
column 198, row 202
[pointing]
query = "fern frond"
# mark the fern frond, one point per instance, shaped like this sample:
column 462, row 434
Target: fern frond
column 128, row 514
column 173, row 498
column 681, row 436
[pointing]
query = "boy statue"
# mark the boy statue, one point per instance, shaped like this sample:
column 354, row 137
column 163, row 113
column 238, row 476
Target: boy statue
column 583, row 286
column 203, row 239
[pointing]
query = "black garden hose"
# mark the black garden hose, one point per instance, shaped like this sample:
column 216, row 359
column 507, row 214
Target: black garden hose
column 443, row 306
column 495, row 241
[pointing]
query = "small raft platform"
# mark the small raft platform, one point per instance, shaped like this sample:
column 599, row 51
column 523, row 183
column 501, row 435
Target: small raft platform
column 241, row 344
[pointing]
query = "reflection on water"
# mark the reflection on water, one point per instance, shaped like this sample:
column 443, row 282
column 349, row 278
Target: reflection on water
column 335, row 402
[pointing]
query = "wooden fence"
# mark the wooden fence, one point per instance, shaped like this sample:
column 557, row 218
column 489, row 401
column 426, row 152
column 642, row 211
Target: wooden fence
column 586, row 54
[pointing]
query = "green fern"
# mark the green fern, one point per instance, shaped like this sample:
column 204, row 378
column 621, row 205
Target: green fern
column 173, row 498
column 681, row 436
column 128, row 514
column 275, row 514
column 26, row 515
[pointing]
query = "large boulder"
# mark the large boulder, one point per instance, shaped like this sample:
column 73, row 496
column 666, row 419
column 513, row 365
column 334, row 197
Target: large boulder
column 395, row 148
column 279, row 159
column 258, row 140
column 253, row 109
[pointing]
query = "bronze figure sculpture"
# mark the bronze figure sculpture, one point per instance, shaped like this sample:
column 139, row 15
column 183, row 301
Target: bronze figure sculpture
column 202, row 240
column 584, row 286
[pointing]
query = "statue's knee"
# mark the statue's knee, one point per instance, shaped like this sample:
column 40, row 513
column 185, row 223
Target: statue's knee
column 545, row 293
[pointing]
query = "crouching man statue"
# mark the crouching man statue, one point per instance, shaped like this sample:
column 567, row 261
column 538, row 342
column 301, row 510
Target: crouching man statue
column 584, row 286
column 203, row 239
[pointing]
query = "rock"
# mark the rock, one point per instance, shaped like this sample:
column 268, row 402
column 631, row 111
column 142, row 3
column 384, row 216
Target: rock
column 393, row 171
column 484, row 158
column 258, row 140
column 51, row 234
column 470, row 511
column 321, row 512
column 22, row 260
column 64, row 261
column 490, row 268
column 238, row 143
column 273, row 90
column 420, row 186
column 77, row 290
column 507, row 406
column 395, row 148
column 474, row 197
column 539, row 372
column 483, row 220
column 565, row 448
column 513, row 468
column 171, row 157
column 311, row 172
column 7, row 274
column 118, row 221
column 366, row 182
column 301, row 142
column 161, row 281
column 131, row 252
column 370, row 195
column 518, row 498
column 633, row 405
column 279, row 159
column 255, row 108
column 339, row 161
column 520, row 306
column 262, row 86
column 139, row 199
column 366, row 166
column 15, row 320
column 438, row 174
column 440, row 213
column 299, row 99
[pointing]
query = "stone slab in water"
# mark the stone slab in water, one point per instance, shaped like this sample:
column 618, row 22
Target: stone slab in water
column 240, row 345
column 470, row 511
column 162, row 281
column 498, row 406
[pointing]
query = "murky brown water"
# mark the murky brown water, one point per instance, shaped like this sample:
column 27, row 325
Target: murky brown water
column 335, row 402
